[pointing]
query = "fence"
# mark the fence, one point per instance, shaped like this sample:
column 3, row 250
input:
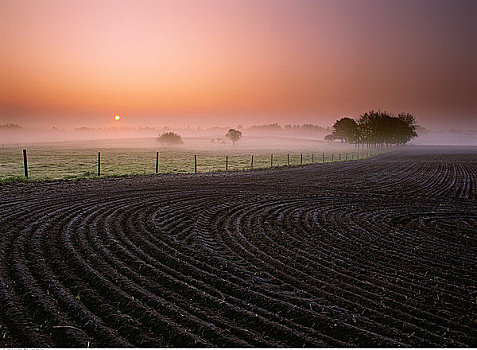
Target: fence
column 76, row 164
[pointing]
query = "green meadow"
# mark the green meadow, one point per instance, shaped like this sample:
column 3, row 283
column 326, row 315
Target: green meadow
column 76, row 160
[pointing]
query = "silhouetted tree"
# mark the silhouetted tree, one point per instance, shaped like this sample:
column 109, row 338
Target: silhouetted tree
column 375, row 128
column 268, row 127
column 406, row 128
column 170, row 139
column 378, row 128
column 233, row 135
column 345, row 129
column 11, row 126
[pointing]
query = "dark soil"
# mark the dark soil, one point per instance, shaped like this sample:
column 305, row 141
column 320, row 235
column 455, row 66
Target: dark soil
column 377, row 252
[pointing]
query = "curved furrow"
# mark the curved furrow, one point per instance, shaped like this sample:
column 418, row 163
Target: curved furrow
column 344, row 265
column 352, row 246
column 16, row 252
column 109, row 282
column 375, row 252
column 42, row 307
column 105, row 318
column 112, row 240
column 289, row 279
column 230, row 287
column 375, row 249
column 391, row 295
column 348, row 291
column 187, row 312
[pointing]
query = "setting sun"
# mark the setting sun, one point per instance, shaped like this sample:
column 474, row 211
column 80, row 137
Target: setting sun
column 117, row 117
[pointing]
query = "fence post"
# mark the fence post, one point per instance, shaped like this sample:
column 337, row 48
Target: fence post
column 301, row 158
column 323, row 157
column 195, row 164
column 226, row 163
column 288, row 161
column 331, row 157
column 346, row 156
column 312, row 158
column 157, row 162
column 339, row 155
column 251, row 163
column 25, row 162
column 271, row 160
column 99, row 163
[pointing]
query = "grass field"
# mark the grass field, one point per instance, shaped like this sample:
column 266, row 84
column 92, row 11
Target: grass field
column 80, row 159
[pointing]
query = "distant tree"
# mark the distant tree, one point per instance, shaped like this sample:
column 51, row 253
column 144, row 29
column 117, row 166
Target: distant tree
column 11, row 126
column 233, row 135
column 378, row 128
column 345, row 129
column 375, row 128
column 406, row 128
column 219, row 141
column 170, row 139
column 268, row 127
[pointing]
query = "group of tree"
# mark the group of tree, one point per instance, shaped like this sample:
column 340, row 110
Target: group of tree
column 171, row 138
column 294, row 128
column 310, row 128
column 275, row 127
column 11, row 126
column 233, row 135
column 375, row 128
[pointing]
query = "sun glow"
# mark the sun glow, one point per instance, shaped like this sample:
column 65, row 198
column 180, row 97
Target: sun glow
column 117, row 117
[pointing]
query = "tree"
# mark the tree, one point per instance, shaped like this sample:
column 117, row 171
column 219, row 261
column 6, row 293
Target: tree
column 375, row 128
column 406, row 128
column 378, row 128
column 233, row 135
column 170, row 139
column 345, row 129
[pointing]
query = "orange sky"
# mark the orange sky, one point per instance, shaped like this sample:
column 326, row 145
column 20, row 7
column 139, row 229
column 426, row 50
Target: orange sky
column 224, row 62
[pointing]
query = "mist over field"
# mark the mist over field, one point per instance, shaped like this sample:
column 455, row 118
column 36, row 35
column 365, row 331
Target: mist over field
column 265, row 136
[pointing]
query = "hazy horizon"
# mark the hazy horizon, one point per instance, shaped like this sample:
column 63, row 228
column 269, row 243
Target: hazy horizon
column 220, row 63
column 253, row 136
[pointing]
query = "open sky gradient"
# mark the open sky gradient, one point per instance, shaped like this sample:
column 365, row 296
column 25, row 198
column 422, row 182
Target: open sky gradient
column 229, row 62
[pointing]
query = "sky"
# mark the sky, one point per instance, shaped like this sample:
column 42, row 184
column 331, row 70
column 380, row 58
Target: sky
column 72, row 63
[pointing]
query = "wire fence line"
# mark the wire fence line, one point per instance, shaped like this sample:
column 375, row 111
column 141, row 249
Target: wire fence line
column 60, row 164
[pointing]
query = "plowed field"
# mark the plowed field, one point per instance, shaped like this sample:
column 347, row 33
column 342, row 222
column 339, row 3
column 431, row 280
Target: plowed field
column 376, row 252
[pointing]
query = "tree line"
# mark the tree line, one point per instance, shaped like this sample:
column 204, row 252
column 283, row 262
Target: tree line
column 303, row 128
column 375, row 129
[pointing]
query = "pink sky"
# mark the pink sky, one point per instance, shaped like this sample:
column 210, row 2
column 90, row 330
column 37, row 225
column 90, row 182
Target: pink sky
column 205, row 63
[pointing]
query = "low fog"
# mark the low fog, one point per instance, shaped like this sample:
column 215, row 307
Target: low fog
column 270, row 136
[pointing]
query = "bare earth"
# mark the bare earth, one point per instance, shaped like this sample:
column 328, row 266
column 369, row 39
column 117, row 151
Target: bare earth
column 376, row 252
